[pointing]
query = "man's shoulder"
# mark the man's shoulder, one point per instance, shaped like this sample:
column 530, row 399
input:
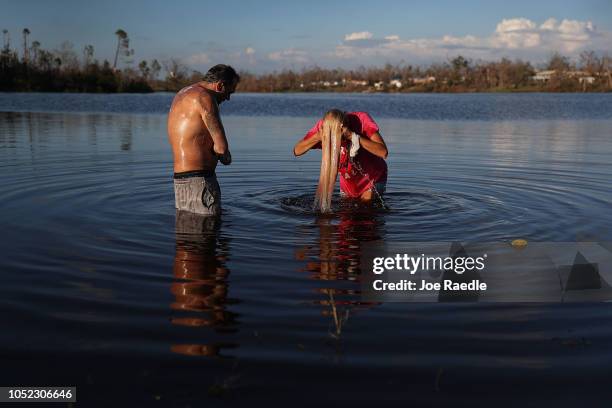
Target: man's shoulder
column 206, row 100
column 196, row 93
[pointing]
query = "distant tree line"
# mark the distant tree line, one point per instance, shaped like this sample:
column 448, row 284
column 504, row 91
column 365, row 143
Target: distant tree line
column 592, row 73
column 67, row 70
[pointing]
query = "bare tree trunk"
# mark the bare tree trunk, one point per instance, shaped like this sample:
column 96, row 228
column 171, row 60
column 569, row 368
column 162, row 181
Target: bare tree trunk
column 26, row 54
column 7, row 39
column 117, row 53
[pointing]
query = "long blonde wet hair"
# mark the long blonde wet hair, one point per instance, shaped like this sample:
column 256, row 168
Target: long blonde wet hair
column 331, row 135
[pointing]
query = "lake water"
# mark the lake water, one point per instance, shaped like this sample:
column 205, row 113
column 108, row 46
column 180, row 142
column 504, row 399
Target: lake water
column 103, row 288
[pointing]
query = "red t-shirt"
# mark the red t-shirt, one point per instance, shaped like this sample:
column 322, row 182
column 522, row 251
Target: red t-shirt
column 352, row 182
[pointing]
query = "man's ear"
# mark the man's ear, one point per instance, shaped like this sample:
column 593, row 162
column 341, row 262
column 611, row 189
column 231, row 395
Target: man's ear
column 219, row 86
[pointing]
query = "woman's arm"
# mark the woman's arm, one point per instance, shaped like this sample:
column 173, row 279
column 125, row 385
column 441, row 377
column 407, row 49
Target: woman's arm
column 305, row 145
column 375, row 145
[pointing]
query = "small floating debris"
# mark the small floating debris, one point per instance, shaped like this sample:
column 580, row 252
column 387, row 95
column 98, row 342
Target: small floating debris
column 572, row 342
column 519, row 243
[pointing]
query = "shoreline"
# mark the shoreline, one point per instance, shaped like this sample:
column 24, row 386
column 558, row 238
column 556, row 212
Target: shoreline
column 329, row 91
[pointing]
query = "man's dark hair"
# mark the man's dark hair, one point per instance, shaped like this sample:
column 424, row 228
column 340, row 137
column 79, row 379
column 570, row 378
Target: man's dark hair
column 221, row 73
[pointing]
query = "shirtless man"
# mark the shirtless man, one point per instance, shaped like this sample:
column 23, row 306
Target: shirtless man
column 198, row 140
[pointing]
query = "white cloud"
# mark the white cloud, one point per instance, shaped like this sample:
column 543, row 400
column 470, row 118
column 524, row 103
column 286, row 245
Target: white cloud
column 516, row 33
column 290, row 55
column 343, row 51
column 515, row 24
column 515, row 40
column 573, row 30
column 460, row 42
column 250, row 53
column 518, row 37
column 532, row 40
column 549, row 25
column 197, row 59
column 363, row 35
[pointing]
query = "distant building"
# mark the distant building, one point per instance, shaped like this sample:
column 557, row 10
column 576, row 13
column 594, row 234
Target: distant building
column 395, row 83
column 543, row 76
column 354, row 82
column 325, row 84
column 379, row 84
column 583, row 76
column 423, row 80
column 586, row 79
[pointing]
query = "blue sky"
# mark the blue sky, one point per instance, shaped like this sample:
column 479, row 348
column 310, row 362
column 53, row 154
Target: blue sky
column 261, row 36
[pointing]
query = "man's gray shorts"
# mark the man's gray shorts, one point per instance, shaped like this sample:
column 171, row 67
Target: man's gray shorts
column 197, row 193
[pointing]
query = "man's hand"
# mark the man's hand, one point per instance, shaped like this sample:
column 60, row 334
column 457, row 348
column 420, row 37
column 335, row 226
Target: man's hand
column 212, row 121
column 225, row 159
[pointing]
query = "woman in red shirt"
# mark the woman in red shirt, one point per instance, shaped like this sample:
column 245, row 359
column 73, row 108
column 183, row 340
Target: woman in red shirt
column 367, row 169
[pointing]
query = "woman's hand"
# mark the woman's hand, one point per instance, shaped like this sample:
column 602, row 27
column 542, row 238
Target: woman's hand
column 302, row 146
column 346, row 133
column 375, row 145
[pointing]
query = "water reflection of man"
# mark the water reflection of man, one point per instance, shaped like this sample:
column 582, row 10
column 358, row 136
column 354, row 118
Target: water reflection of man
column 201, row 289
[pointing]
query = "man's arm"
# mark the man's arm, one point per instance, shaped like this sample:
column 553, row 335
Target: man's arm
column 375, row 145
column 212, row 120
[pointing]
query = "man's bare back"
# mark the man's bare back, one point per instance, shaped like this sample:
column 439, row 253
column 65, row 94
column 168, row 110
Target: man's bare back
column 198, row 140
column 195, row 130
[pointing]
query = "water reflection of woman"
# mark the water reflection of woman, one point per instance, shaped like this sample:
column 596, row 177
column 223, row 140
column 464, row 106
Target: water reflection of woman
column 201, row 286
column 338, row 261
column 362, row 166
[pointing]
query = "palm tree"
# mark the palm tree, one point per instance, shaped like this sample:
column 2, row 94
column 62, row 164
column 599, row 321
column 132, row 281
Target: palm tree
column 6, row 38
column 155, row 68
column 26, row 55
column 88, row 52
column 121, row 38
column 144, row 69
